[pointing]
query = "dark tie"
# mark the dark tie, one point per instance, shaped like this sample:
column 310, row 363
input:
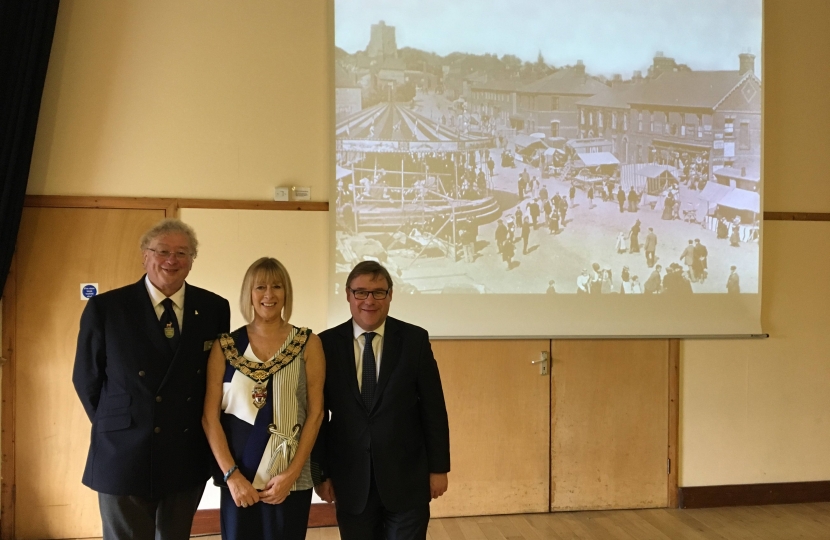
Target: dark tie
column 170, row 324
column 369, row 380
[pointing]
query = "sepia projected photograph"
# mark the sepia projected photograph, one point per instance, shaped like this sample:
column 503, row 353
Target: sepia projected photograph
column 550, row 147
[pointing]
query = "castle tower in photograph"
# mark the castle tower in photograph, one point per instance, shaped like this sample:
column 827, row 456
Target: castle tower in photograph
column 382, row 42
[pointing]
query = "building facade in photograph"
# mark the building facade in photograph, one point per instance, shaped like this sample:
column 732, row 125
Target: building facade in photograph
column 348, row 96
column 548, row 105
column 709, row 116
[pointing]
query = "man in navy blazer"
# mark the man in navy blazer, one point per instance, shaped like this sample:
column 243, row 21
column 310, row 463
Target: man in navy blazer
column 384, row 449
column 139, row 372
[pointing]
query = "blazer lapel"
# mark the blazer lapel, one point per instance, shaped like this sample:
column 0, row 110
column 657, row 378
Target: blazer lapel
column 346, row 360
column 390, row 356
column 147, row 320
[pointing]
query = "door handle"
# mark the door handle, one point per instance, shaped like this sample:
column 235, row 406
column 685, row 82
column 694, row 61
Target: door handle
column 543, row 363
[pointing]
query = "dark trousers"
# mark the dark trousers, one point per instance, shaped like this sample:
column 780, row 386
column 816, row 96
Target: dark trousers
column 127, row 517
column 285, row 521
column 378, row 523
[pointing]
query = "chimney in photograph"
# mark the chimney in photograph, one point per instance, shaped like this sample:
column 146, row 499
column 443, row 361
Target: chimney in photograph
column 638, row 75
column 661, row 64
column 579, row 67
column 747, row 63
column 743, row 172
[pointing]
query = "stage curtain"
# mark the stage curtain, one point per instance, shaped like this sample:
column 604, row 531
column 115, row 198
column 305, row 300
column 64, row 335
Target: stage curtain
column 26, row 31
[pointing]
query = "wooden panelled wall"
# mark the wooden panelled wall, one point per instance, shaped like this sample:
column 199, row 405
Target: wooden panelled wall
column 207, row 523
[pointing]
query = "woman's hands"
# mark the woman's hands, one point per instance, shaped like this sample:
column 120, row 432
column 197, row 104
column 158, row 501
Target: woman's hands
column 275, row 492
column 277, row 489
column 242, row 491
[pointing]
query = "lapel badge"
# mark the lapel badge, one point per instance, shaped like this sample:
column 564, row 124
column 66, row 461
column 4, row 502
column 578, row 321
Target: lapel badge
column 169, row 332
column 195, row 311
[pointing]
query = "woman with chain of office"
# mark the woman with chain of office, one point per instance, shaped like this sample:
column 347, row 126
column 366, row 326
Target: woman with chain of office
column 263, row 410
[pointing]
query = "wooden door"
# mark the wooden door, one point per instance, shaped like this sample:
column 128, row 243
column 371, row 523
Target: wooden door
column 57, row 250
column 610, row 424
column 498, row 406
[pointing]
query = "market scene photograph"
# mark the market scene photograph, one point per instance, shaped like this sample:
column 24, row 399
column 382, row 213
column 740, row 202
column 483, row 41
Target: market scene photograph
column 549, row 162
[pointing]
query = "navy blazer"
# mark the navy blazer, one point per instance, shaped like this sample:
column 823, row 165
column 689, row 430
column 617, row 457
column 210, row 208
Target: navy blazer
column 405, row 434
column 144, row 402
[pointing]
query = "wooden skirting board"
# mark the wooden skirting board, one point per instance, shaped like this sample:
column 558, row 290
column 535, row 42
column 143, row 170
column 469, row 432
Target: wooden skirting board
column 796, row 216
column 205, row 522
column 323, row 515
column 753, row 494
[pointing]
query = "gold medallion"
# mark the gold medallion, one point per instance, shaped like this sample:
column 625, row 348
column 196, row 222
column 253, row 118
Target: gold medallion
column 169, row 332
column 259, row 394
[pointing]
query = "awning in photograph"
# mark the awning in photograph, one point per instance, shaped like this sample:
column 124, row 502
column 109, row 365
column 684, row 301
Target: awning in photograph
column 655, row 171
column 526, row 143
column 341, row 172
column 556, row 142
column 680, row 146
column 595, row 159
column 581, row 178
column 714, row 192
column 741, row 199
column 552, row 151
column 733, row 172
column 583, row 144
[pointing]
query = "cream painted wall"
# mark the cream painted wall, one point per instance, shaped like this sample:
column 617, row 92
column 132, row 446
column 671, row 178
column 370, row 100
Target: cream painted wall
column 226, row 250
column 190, row 98
column 222, row 99
column 758, row 411
column 796, row 108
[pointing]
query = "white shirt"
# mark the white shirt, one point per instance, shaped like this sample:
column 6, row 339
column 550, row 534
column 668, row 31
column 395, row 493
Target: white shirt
column 377, row 347
column 156, row 297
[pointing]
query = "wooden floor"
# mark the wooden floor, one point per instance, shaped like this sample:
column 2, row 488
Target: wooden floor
column 781, row 522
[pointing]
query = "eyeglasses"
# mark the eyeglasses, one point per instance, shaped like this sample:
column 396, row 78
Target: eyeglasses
column 165, row 254
column 364, row 294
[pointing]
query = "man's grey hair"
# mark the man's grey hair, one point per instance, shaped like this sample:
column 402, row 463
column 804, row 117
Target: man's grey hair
column 171, row 225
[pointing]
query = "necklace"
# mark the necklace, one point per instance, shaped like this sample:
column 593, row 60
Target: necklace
column 260, row 372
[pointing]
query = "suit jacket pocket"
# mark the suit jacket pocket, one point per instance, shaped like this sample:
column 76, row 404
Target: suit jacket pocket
column 113, row 423
column 117, row 401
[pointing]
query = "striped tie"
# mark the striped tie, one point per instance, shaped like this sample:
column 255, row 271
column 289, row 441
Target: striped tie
column 369, row 379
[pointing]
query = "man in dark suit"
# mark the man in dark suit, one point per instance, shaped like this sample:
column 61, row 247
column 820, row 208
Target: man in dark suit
column 384, row 451
column 140, row 374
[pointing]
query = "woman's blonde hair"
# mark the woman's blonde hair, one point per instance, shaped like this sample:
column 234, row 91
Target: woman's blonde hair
column 265, row 269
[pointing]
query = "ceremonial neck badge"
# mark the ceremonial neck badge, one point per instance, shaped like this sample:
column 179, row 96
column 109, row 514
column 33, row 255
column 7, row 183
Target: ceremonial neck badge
column 260, row 372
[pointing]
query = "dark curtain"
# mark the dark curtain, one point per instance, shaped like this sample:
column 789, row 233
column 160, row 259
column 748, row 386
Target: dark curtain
column 26, row 31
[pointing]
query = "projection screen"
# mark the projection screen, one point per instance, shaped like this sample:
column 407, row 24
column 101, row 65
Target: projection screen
column 552, row 168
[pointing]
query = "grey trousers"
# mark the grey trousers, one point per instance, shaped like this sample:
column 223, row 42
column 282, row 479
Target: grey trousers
column 127, row 517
